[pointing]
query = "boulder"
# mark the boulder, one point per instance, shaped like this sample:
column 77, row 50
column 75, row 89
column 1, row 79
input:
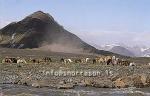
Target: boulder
column 103, row 83
column 119, row 83
column 144, row 78
column 141, row 80
column 123, row 82
column 135, row 80
column 115, row 77
column 148, row 80
column 36, row 84
column 138, row 81
column 85, row 82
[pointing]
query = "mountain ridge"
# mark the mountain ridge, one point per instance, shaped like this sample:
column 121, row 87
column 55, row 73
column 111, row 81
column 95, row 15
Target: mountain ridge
column 40, row 29
column 134, row 51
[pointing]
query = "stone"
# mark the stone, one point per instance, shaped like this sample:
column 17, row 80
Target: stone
column 103, row 83
column 115, row 77
column 36, row 84
column 65, row 86
column 138, row 81
column 85, row 82
column 135, row 80
column 119, row 84
column 141, row 80
column 123, row 82
column 148, row 80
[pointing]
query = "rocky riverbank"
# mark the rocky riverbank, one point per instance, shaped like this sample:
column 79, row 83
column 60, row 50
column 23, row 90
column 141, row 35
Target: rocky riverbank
column 19, row 90
column 67, row 76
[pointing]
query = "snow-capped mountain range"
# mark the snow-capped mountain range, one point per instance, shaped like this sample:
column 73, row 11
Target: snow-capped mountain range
column 138, row 51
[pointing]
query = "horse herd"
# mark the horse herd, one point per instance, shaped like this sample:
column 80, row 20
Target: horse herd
column 108, row 60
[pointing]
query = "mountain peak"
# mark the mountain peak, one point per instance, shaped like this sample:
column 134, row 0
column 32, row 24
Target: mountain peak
column 40, row 30
column 41, row 15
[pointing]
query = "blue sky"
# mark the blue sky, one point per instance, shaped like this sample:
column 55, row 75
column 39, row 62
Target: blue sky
column 95, row 21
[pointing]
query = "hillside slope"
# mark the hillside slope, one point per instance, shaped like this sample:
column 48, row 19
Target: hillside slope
column 122, row 51
column 40, row 30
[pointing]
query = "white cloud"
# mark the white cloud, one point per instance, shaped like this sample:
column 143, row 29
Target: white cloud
column 109, row 37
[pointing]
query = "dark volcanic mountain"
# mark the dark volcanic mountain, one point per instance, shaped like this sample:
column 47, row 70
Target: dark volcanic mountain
column 121, row 50
column 40, row 30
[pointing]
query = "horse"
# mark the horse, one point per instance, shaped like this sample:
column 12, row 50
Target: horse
column 33, row 60
column 124, row 62
column 132, row 64
column 21, row 61
column 109, row 61
column 78, row 61
column 9, row 60
column 47, row 59
column 66, row 60
column 94, row 61
column 87, row 59
column 62, row 60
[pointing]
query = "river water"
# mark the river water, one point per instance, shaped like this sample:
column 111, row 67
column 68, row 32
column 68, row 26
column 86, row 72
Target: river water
column 13, row 90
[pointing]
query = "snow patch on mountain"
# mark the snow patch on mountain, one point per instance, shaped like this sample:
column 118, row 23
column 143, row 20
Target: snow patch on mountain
column 138, row 51
column 144, row 49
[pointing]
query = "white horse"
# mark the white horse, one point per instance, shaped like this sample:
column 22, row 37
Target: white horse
column 113, row 57
column 87, row 59
column 21, row 61
column 132, row 64
column 68, row 61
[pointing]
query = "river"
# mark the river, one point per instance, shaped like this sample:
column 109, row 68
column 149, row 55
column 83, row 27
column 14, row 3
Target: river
column 13, row 90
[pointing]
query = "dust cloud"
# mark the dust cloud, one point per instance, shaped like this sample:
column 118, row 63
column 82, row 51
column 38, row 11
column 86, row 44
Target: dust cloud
column 61, row 48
